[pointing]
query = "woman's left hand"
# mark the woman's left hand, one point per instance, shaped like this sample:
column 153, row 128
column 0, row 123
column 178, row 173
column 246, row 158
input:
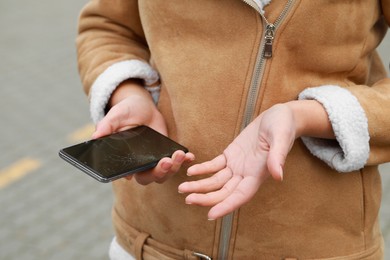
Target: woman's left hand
column 258, row 152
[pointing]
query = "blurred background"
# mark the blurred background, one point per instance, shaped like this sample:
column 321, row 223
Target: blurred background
column 48, row 209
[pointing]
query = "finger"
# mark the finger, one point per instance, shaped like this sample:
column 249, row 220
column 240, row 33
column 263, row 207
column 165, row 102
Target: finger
column 244, row 191
column 171, row 166
column 190, row 157
column 215, row 165
column 102, row 129
column 163, row 169
column 277, row 157
column 121, row 117
column 112, row 122
column 157, row 123
column 129, row 177
column 212, row 183
column 157, row 174
column 215, row 197
column 178, row 158
column 275, row 166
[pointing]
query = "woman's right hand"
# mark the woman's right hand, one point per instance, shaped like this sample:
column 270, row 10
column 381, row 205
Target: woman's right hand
column 131, row 105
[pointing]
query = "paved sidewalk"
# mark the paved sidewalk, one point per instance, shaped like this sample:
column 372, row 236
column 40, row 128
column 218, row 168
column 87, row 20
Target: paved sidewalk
column 53, row 212
column 49, row 210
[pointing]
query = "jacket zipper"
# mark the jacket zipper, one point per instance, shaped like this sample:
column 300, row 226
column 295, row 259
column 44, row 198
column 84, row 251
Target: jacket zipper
column 265, row 53
column 266, row 45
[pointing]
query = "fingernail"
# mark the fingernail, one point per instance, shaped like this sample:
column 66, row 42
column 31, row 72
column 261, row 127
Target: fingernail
column 187, row 201
column 211, row 219
column 281, row 173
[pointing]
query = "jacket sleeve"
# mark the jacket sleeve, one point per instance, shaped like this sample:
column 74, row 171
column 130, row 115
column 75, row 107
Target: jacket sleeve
column 350, row 150
column 111, row 48
column 360, row 119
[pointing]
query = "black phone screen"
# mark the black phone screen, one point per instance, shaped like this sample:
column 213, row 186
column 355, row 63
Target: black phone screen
column 120, row 154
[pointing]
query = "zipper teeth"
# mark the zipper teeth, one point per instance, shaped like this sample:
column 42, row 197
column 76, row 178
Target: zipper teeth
column 253, row 88
column 226, row 231
column 283, row 13
column 227, row 221
column 260, row 61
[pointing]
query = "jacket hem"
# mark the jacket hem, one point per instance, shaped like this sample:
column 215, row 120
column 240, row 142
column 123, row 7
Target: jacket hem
column 374, row 253
column 144, row 246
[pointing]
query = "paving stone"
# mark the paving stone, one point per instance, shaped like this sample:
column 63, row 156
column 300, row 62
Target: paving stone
column 42, row 103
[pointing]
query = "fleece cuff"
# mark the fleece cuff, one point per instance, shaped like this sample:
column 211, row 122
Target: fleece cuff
column 110, row 79
column 350, row 127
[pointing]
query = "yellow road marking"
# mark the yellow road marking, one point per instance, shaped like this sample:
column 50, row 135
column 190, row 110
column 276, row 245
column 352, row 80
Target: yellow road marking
column 17, row 170
column 82, row 134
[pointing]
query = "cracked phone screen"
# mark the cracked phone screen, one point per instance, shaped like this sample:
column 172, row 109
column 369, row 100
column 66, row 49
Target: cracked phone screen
column 124, row 152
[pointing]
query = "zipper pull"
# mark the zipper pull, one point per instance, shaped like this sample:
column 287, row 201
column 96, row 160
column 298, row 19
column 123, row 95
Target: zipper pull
column 269, row 38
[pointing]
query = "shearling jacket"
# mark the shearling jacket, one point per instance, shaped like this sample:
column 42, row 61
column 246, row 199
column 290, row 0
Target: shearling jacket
column 215, row 65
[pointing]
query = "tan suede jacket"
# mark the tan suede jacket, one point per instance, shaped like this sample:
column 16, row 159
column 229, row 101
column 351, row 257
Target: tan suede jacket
column 219, row 64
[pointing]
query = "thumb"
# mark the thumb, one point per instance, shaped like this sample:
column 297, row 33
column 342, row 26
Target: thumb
column 115, row 120
column 101, row 129
column 276, row 159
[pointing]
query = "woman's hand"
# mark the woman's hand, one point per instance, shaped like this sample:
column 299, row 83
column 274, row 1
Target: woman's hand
column 258, row 152
column 132, row 105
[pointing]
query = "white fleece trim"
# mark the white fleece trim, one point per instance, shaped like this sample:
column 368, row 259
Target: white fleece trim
column 116, row 252
column 109, row 80
column 262, row 3
column 350, row 126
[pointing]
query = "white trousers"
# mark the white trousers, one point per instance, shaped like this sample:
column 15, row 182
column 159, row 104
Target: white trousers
column 116, row 252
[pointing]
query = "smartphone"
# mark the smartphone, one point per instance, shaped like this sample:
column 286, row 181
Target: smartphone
column 117, row 155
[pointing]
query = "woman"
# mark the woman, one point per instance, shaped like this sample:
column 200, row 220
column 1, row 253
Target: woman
column 289, row 89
